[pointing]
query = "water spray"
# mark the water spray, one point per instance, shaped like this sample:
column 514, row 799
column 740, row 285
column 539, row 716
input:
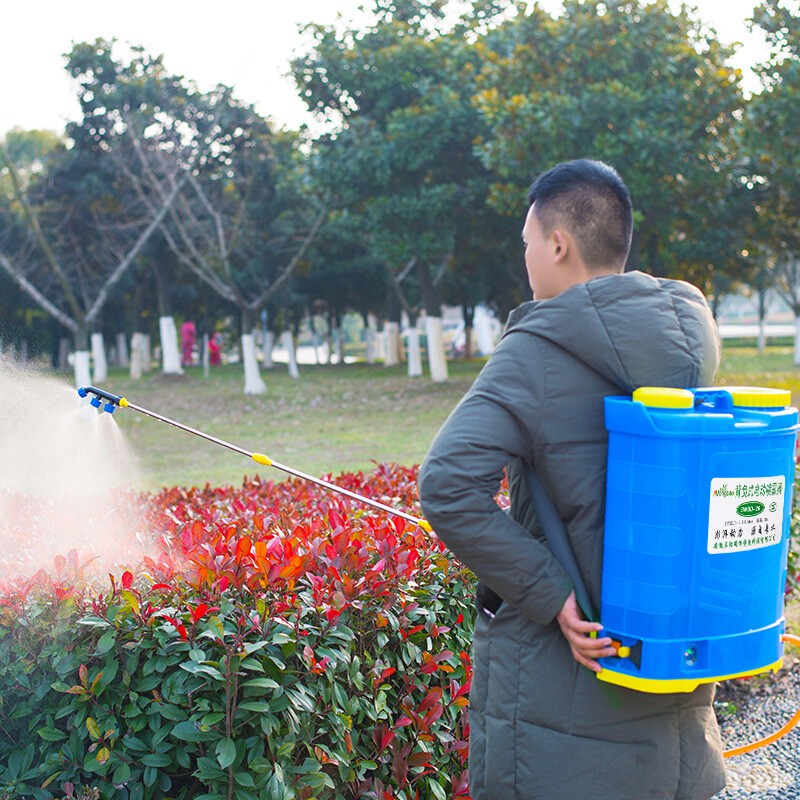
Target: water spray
column 110, row 402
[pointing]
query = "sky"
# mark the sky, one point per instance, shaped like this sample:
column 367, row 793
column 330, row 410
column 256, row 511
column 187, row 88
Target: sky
column 243, row 43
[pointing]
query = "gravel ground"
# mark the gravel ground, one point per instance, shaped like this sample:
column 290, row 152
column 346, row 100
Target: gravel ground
column 749, row 710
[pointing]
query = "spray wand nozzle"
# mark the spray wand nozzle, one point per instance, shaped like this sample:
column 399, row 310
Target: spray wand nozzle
column 98, row 395
column 113, row 401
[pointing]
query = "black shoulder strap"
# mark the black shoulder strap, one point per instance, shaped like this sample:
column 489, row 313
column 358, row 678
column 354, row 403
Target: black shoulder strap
column 557, row 538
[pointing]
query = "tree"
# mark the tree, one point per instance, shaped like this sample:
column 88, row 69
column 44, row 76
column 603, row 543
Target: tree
column 640, row 87
column 772, row 126
column 402, row 154
column 66, row 240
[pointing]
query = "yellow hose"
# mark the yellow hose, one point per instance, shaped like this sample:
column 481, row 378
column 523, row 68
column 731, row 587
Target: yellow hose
column 773, row 737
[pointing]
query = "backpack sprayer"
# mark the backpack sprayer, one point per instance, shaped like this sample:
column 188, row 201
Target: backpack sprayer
column 698, row 503
column 110, row 402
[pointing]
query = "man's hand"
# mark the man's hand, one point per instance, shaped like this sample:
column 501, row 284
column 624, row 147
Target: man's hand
column 576, row 630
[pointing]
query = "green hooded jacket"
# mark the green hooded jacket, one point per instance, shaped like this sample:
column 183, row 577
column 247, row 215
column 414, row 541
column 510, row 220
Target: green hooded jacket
column 542, row 727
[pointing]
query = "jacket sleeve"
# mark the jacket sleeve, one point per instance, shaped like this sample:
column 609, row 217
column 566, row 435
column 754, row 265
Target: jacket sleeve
column 493, row 424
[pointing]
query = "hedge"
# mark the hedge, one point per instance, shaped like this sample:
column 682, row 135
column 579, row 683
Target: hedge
column 279, row 642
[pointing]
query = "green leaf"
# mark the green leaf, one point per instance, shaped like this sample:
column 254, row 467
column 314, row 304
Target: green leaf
column 261, row 683
column 257, row 706
column 226, row 752
column 216, row 627
column 149, row 776
column 244, row 779
column 51, row 734
column 251, row 664
column 202, row 669
column 156, row 760
column 190, row 732
column 253, row 646
column 261, row 765
column 437, row 790
column 285, row 749
column 106, row 642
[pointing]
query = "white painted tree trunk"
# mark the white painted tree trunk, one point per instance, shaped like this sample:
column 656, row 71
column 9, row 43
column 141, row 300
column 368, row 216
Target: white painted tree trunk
column 137, row 355
column 267, row 343
column 147, row 353
column 436, row 355
column 414, row 353
column 288, row 343
column 253, row 384
column 483, row 330
column 796, row 360
column 64, row 348
column 83, row 368
column 99, row 358
column 122, row 350
column 369, row 338
column 315, row 343
column 391, row 335
column 338, row 340
column 170, row 354
column 761, row 341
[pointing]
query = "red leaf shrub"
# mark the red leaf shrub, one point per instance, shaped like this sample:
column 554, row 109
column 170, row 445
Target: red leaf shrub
column 280, row 641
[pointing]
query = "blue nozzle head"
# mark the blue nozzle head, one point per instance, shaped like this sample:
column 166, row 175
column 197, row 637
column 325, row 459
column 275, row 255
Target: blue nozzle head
column 82, row 392
column 95, row 401
column 109, row 407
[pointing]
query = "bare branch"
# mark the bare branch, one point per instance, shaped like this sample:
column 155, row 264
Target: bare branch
column 133, row 252
column 36, row 295
column 284, row 276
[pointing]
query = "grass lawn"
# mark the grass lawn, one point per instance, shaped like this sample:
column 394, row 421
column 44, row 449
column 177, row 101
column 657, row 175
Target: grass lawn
column 334, row 419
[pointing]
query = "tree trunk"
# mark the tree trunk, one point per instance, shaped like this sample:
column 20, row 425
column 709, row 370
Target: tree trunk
column 437, row 359
column 288, row 343
column 122, row 351
column 205, row 357
column 436, row 356
column 147, row 350
column 82, row 363
column 99, row 358
column 391, row 333
column 484, row 331
column 253, row 384
column 370, row 327
column 469, row 320
column 64, row 347
column 414, row 351
column 138, row 355
column 762, row 312
column 338, row 337
column 170, row 353
column 267, row 342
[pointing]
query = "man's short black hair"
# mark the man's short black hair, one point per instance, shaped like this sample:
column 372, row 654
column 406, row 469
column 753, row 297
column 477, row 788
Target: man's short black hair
column 591, row 201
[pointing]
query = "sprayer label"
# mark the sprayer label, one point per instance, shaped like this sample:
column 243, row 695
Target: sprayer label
column 745, row 513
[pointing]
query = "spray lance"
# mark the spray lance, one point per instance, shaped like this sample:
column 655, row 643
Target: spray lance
column 110, row 402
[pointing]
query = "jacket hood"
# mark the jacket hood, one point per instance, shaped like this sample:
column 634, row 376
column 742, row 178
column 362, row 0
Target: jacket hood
column 634, row 329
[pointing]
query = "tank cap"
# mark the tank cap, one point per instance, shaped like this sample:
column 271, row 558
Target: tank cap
column 759, row 396
column 663, row 397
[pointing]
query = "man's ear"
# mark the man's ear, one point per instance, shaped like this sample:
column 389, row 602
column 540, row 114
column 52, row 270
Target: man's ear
column 560, row 245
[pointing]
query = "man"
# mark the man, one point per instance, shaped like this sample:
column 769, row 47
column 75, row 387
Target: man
column 542, row 727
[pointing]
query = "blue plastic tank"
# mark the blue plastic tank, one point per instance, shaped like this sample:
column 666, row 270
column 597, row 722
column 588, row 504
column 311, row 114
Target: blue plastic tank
column 698, row 502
